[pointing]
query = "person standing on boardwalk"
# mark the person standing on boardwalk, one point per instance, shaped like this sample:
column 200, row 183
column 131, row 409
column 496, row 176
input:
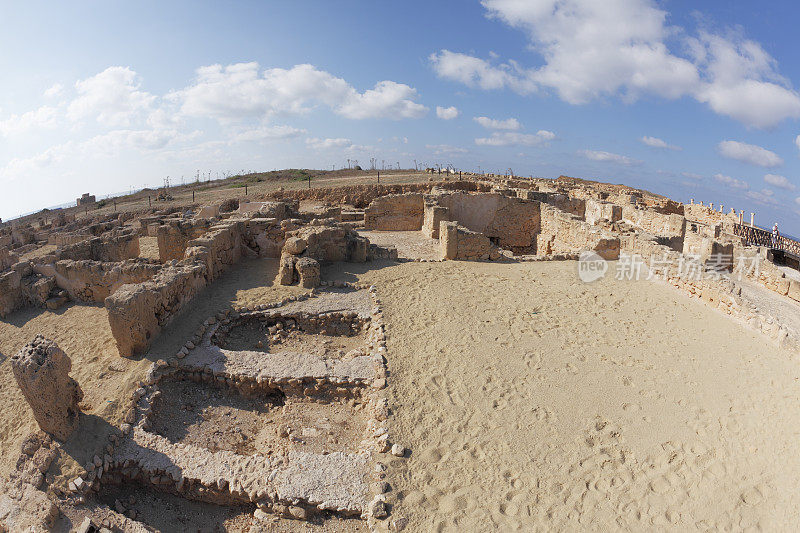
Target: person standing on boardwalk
column 775, row 235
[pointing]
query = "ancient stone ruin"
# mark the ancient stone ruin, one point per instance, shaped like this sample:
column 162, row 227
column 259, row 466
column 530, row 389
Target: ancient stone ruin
column 42, row 369
column 306, row 376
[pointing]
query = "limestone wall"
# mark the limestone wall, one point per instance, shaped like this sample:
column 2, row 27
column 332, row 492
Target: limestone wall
column 21, row 287
column 666, row 225
column 400, row 212
column 7, row 258
column 360, row 196
column 174, row 237
column 218, row 249
column 459, row 243
column 509, row 222
column 105, row 249
column 564, row 233
column 597, row 210
column 138, row 312
column 94, row 281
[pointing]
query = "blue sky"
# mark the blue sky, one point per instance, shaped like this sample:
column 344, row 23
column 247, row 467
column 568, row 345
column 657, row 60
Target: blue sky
column 696, row 103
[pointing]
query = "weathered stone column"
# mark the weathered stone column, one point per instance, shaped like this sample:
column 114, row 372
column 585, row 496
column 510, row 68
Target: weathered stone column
column 42, row 369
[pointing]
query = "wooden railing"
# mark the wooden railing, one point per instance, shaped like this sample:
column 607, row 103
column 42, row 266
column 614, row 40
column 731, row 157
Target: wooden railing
column 761, row 237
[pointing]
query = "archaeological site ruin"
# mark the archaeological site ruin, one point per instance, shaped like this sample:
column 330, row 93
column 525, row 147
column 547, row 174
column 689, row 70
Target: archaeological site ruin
column 268, row 402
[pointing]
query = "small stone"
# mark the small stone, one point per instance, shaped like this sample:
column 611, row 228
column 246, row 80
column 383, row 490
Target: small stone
column 298, row 512
column 398, row 450
column 378, row 508
column 399, row 524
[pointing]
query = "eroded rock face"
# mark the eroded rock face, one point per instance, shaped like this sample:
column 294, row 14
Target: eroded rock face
column 42, row 369
column 308, row 271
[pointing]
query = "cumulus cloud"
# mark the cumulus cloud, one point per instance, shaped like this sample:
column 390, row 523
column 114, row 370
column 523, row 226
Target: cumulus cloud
column 749, row 153
column 655, row 142
column 731, row 182
column 55, row 90
column 691, row 175
column 764, row 197
column 112, row 97
column 268, row 133
column 599, row 155
column 325, row 144
column 510, row 124
column 779, row 181
column 447, row 113
column 43, row 117
column 239, row 91
column 476, row 72
column 619, row 48
column 514, row 138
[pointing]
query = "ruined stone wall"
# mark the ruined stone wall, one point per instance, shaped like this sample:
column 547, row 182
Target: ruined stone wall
column 360, row 196
column 706, row 215
column 264, row 236
column 432, row 217
column 459, row 243
column 708, row 247
column 174, row 237
column 105, row 249
column 218, row 249
column 138, row 312
column 598, row 209
column 21, row 287
column 64, row 239
column 666, row 225
column 564, row 233
column 510, row 222
column 397, row 212
column 7, row 258
column 94, row 281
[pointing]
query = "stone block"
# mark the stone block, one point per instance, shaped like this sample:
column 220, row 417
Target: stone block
column 42, row 369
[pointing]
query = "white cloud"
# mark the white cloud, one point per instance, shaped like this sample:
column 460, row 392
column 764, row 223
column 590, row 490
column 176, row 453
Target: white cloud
column 749, row 153
column 476, row 72
column 742, row 82
column 325, row 144
column 510, row 124
column 387, row 100
column 44, row 117
column 764, row 197
column 55, row 90
column 655, row 142
column 238, row 91
column 513, row 138
column 112, row 97
column 447, row 113
column 599, row 155
column 445, row 149
column 797, row 141
column 779, row 181
column 619, row 48
column 731, row 182
column 691, row 175
column 268, row 133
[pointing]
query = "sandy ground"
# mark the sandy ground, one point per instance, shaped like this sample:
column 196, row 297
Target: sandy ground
column 107, row 379
column 531, row 401
column 409, row 244
column 528, row 400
